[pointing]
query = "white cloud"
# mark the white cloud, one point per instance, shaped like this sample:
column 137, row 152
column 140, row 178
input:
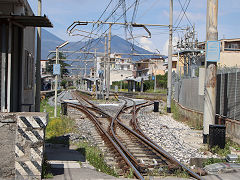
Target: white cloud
column 147, row 44
column 165, row 47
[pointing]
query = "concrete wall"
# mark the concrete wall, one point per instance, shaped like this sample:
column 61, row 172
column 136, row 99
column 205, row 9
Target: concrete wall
column 8, row 126
column 233, row 130
column 22, row 145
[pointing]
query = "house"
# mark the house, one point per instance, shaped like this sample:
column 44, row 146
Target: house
column 120, row 68
column 17, row 55
column 149, row 67
column 230, row 52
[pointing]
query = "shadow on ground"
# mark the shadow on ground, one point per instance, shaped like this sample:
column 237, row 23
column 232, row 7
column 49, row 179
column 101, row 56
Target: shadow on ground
column 61, row 155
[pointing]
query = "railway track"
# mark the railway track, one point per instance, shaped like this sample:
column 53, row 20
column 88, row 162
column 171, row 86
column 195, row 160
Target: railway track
column 121, row 134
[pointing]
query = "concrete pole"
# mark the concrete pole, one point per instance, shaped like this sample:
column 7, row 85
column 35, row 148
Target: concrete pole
column 155, row 83
column 56, row 84
column 85, row 73
column 95, row 71
column 211, row 70
column 38, row 65
column 109, row 61
column 105, row 59
column 170, row 58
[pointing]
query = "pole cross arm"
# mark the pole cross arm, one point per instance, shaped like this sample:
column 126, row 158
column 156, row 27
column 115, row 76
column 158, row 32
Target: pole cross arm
column 141, row 25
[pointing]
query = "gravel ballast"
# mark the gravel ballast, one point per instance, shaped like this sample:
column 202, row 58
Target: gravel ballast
column 179, row 140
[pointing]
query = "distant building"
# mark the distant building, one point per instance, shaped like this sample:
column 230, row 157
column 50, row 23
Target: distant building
column 120, row 68
column 230, row 52
column 148, row 67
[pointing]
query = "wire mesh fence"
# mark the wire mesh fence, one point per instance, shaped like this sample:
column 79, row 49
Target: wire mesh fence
column 186, row 92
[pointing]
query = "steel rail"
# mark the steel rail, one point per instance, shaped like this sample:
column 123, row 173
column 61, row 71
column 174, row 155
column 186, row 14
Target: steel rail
column 157, row 147
column 143, row 138
column 126, row 158
column 91, row 116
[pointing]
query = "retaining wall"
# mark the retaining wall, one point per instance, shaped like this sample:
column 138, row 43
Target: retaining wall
column 232, row 126
column 22, row 144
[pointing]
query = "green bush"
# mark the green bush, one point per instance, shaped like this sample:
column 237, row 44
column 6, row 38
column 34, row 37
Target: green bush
column 59, row 126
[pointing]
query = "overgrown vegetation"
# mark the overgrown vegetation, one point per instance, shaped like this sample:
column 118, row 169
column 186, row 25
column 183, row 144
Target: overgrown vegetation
column 95, row 158
column 227, row 148
column 222, row 152
column 130, row 174
column 46, row 169
column 56, row 126
column 212, row 161
column 194, row 122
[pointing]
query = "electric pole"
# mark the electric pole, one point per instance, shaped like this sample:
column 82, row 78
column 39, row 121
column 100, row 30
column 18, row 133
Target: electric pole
column 109, row 61
column 210, row 69
column 38, row 65
column 95, row 72
column 56, row 84
column 170, row 58
column 105, row 59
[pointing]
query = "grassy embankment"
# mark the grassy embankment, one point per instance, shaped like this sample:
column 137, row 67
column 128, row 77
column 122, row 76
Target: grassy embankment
column 62, row 125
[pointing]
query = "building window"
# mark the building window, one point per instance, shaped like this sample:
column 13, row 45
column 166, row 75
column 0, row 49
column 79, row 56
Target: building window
column 28, row 74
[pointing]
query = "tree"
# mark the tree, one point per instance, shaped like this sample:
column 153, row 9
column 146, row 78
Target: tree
column 49, row 66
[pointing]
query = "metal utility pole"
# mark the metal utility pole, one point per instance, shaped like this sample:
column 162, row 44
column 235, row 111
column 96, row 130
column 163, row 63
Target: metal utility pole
column 170, row 58
column 95, row 72
column 155, row 82
column 210, row 70
column 109, row 61
column 38, row 65
column 56, row 84
column 56, row 77
column 105, row 59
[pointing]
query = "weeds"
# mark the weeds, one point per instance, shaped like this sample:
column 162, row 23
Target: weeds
column 221, row 152
column 46, row 169
column 130, row 174
column 95, row 158
column 212, row 161
column 178, row 116
column 181, row 174
column 56, row 126
column 59, row 126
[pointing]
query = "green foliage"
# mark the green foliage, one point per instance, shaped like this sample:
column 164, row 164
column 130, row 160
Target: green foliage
column 118, row 83
column 46, row 169
column 233, row 144
column 95, row 158
column 221, row 152
column 59, row 126
column 56, row 126
column 148, row 85
column 212, row 161
column 49, row 66
column 130, row 174
column 45, row 107
column 194, row 122
column 63, row 83
column 181, row 174
column 71, row 87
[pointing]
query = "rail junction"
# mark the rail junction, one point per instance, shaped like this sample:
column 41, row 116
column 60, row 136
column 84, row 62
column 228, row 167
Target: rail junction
column 132, row 151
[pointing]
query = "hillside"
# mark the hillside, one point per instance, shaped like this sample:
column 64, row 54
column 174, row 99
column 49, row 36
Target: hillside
column 118, row 45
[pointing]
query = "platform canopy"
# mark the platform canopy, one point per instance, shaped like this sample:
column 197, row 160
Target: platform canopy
column 137, row 79
column 32, row 21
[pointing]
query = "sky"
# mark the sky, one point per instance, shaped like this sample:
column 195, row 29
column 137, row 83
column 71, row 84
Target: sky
column 63, row 13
